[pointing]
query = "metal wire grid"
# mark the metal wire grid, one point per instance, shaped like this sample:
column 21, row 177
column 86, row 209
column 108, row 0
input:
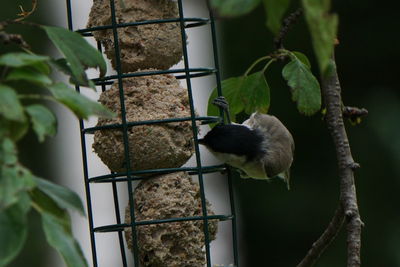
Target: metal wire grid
column 129, row 176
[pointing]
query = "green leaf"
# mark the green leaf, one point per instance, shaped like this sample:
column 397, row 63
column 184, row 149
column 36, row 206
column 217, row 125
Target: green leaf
column 323, row 29
column 14, row 130
column 255, row 93
column 305, row 87
column 28, row 74
column 10, row 106
column 63, row 196
column 64, row 67
column 244, row 93
column 44, row 204
column 231, row 91
column 82, row 106
column 233, row 7
column 15, row 182
column 22, row 59
column 42, row 67
column 303, row 58
column 79, row 54
column 8, row 152
column 275, row 9
column 57, row 228
column 13, row 230
column 59, row 236
column 43, row 120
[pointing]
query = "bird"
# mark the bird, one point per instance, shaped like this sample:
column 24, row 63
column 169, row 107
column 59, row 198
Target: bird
column 260, row 148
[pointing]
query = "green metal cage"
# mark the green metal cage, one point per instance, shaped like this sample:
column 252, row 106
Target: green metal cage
column 129, row 175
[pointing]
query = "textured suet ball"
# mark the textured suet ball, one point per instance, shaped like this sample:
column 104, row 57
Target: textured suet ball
column 143, row 46
column 166, row 145
column 179, row 244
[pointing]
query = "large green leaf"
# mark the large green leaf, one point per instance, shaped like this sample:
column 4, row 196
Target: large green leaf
column 63, row 196
column 244, row 93
column 233, row 7
column 255, row 93
column 305, row 87
column 323, row 29
column 79, row 54
column 275, row 9
column 21, row 59
column 28, row 74
column 44, row 122
column 13, row 230
column 231, row 91
column 10, row 106
column 57, row 228
column 82, row 106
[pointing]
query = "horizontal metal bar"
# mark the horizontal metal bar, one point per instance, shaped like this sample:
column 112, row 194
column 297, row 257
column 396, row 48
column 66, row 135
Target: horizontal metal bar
column 204, row 120
column 202, row 72
column 120, row 227
column 197, row 22
column 134, row 175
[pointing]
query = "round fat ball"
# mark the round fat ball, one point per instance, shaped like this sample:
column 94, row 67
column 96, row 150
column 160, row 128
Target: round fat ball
column 166, row 145
column 177, row 244
column 143, row 46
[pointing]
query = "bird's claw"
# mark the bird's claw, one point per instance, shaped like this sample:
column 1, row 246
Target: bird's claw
column 221, row 102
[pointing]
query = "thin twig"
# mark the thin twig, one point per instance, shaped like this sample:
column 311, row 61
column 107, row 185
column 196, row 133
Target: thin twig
column 11, row 38
column 325, row 239
column 354, row 114
column 331, row 91
column 288, row 22
column 24, row 14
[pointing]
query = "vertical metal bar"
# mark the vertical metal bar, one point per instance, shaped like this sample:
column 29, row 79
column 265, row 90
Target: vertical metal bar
column 125, row 133
column 115, row 196
column 234, row 224
column 229, row 173
column 85, row 162
column 194, row 129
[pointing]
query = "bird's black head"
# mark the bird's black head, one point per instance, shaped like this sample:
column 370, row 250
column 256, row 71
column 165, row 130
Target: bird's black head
column 234, row 139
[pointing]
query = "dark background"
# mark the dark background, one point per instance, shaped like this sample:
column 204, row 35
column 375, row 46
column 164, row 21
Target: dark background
column 279, row 226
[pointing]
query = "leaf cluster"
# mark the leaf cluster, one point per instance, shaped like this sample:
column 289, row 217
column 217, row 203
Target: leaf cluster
column 24, row 77
column 250, row 92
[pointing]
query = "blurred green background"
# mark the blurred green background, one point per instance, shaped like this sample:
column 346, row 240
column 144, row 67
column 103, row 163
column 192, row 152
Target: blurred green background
column 279, row 226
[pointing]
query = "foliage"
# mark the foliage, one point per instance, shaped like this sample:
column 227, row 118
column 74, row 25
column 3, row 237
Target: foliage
column 306, row 92
column 250, row 92
column 24, row 77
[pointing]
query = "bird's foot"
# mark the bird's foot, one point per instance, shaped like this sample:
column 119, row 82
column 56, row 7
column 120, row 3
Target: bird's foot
column 221, row 102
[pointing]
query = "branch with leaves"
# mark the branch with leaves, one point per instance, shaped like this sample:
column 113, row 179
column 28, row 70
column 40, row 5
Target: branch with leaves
column 250, row 92
column 24, row 75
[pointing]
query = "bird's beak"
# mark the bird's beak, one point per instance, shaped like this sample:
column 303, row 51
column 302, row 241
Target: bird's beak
column 201, row 141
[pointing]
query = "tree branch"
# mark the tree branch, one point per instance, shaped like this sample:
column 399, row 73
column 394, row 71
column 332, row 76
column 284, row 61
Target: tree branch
column 331, row 91
column 325, row 240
